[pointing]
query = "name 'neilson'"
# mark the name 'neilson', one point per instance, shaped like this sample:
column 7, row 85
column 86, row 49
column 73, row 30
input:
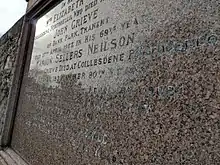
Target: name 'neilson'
column 111, row 44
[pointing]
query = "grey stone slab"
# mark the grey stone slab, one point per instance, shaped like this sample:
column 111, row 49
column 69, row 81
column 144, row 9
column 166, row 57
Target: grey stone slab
column 7, row 159
column 2, row 162
column 122, row 82
column 13, row 155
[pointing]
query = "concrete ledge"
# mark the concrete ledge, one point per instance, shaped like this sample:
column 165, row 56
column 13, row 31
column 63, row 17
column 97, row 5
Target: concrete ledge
column 9, row 157
column 2, row 161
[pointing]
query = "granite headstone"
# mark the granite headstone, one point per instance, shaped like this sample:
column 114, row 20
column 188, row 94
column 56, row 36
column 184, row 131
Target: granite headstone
column 122, row 82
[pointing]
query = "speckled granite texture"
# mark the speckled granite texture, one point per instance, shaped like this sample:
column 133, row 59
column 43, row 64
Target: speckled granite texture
column 8, row 53
column 158, row 105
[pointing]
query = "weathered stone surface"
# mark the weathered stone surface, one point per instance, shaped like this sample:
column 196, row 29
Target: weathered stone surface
column 8, row 53
column 141, row 87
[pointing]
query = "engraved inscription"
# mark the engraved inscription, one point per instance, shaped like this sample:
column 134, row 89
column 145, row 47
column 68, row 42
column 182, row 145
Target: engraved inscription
column 79, row 38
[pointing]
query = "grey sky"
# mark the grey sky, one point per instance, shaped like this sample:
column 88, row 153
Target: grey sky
column 10, row 12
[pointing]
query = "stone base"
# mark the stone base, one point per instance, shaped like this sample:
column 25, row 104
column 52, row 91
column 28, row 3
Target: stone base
column 9, row 157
